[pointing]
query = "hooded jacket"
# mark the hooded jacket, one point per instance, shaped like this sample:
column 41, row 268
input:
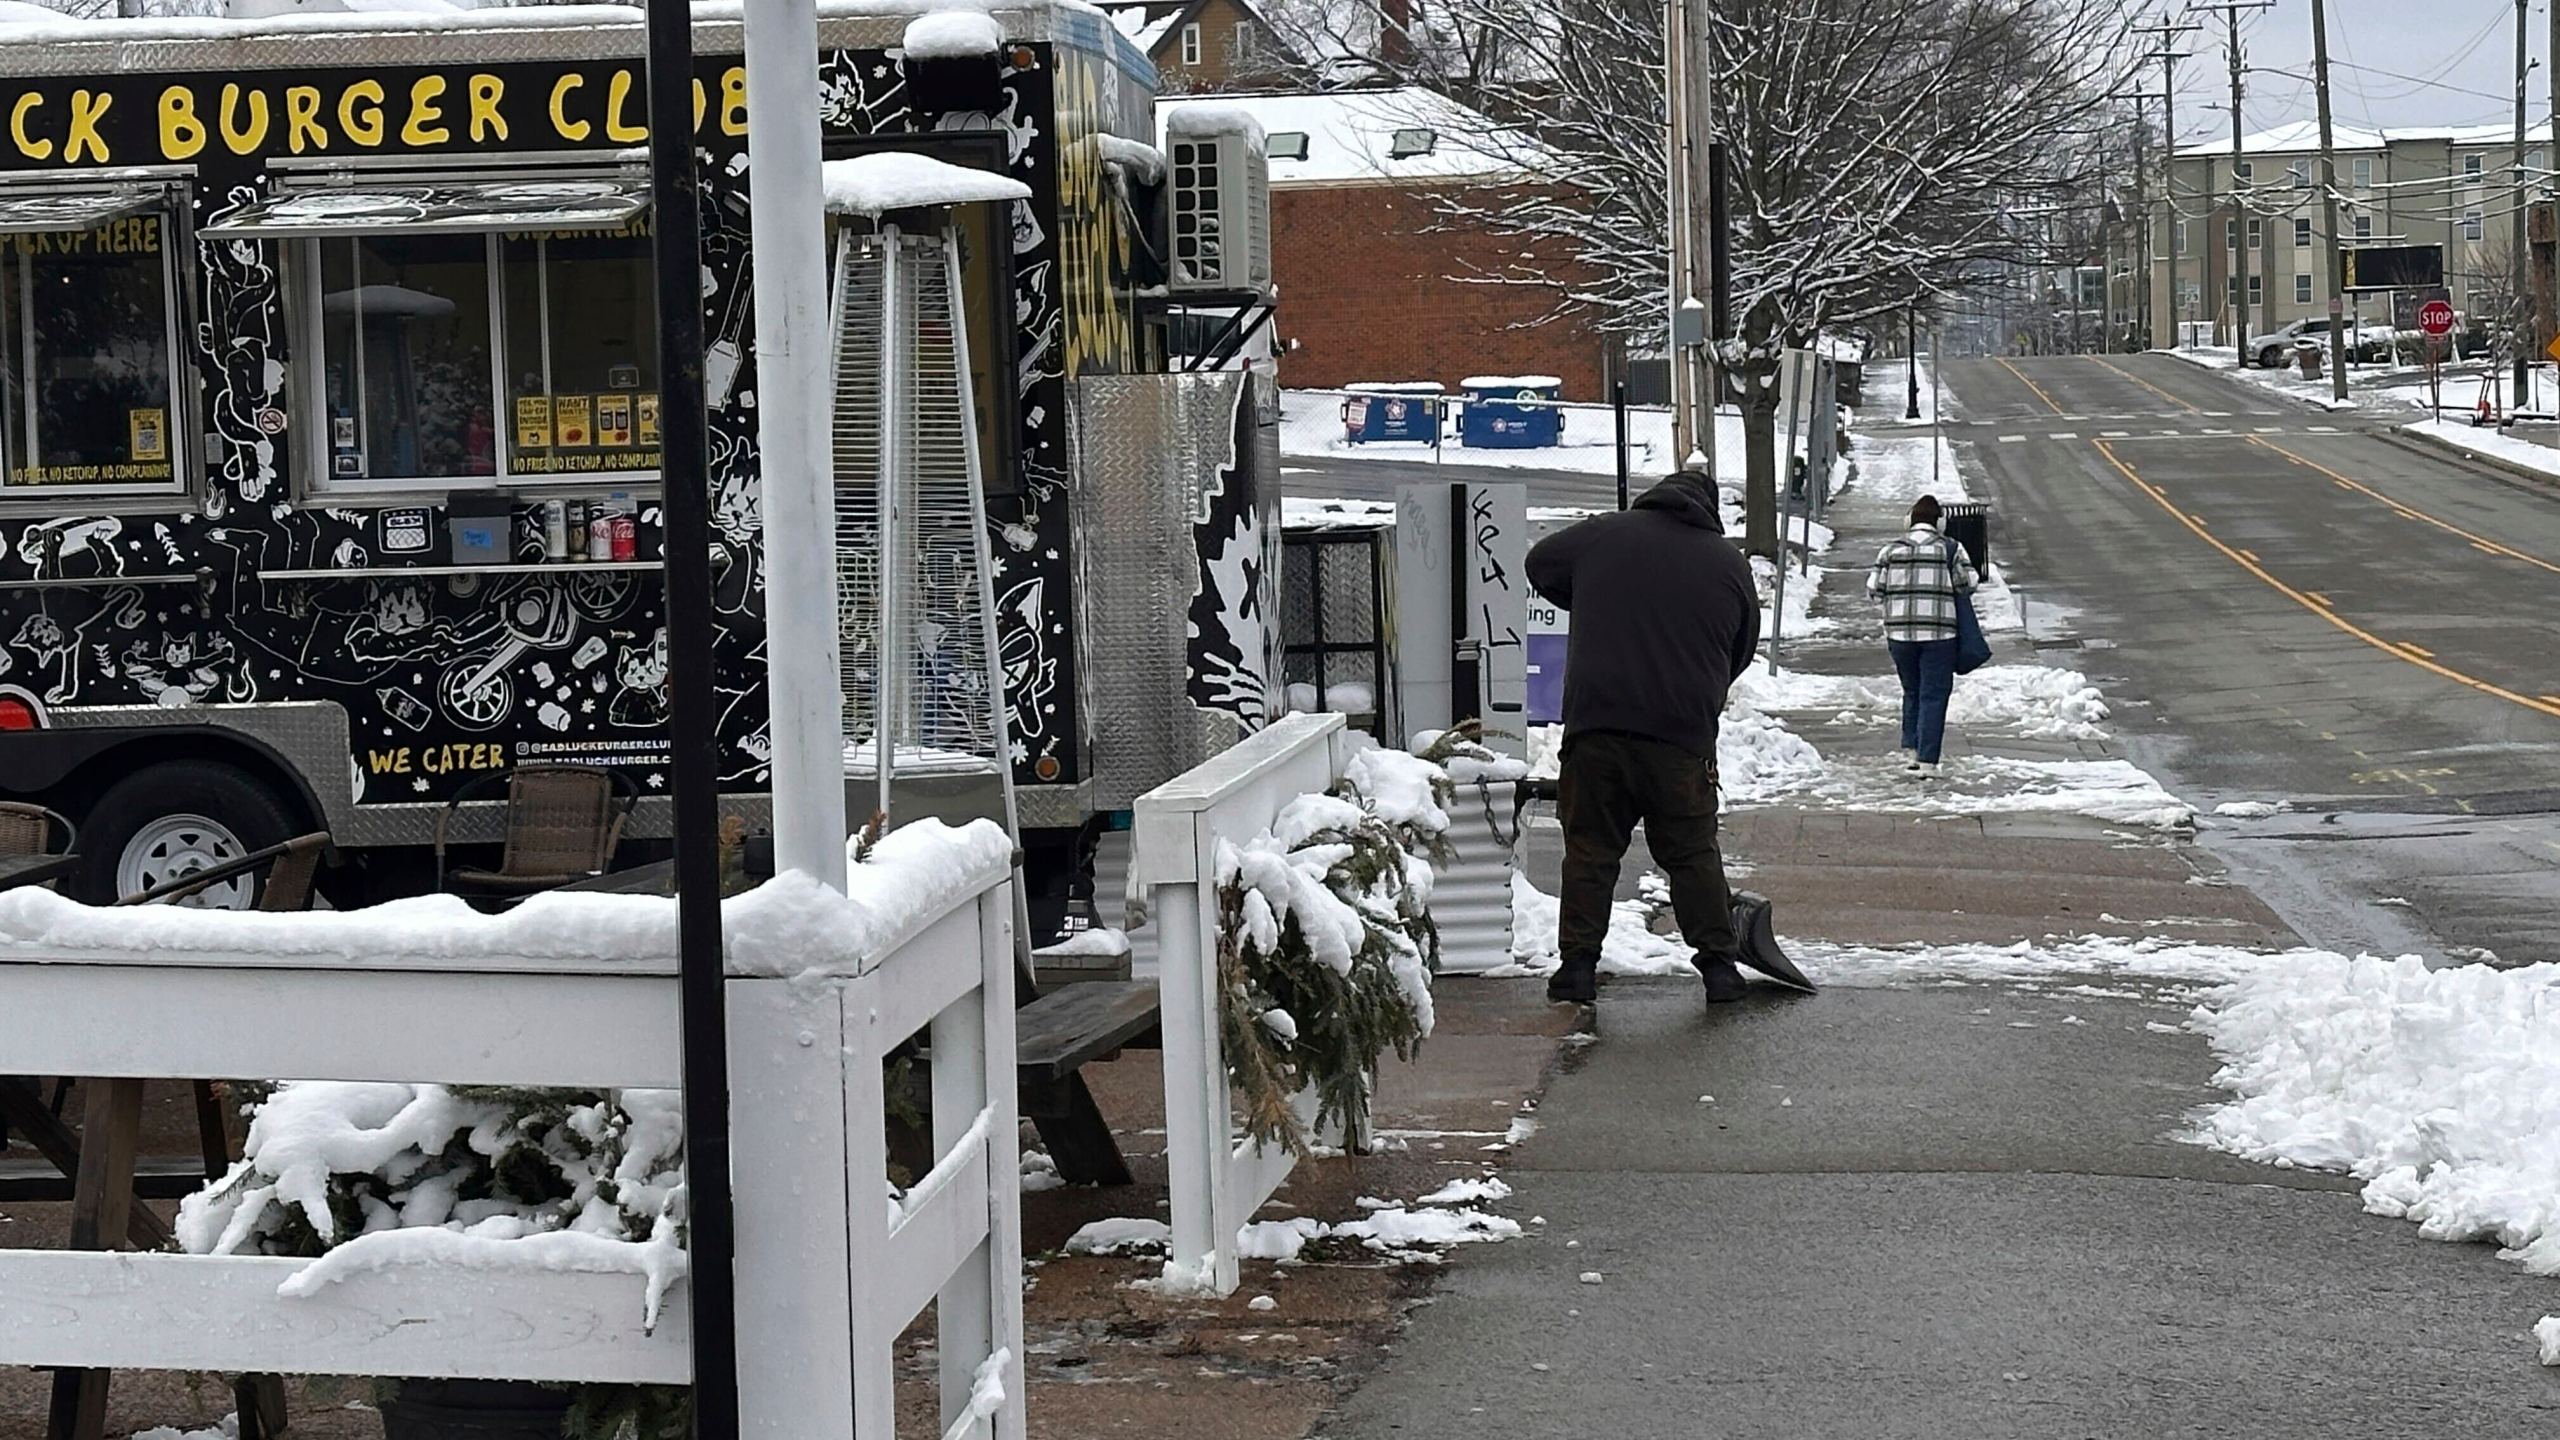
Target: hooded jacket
column 1664, row 616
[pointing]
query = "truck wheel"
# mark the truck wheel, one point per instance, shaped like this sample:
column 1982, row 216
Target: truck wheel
column 170, row 820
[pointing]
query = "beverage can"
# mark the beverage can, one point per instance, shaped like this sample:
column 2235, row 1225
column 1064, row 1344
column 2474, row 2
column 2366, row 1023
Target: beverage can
column 600, row 535
column 576, row 526
column 555, row 530
column 626, row 528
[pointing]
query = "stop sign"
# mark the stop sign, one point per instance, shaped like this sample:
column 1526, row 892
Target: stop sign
column 2435, row 318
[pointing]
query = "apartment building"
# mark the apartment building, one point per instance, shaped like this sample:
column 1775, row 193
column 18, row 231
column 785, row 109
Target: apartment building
column 2453, row 186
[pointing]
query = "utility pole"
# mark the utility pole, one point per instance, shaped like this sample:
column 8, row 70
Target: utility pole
column 2168, row 159
column 1689, row 59
column 2329, row 202
column 2521, row 309
column 2239, row 188
column 2138, row 305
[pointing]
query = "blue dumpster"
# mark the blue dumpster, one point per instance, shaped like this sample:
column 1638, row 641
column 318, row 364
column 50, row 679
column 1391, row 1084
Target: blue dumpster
column 1409, row 411
column 1511, row 412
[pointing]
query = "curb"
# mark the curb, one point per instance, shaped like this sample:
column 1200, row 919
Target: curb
column 2438, row 447
column 2306, row 402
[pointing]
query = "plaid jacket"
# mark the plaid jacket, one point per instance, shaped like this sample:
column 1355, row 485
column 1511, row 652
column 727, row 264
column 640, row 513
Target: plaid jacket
column 1918, row 578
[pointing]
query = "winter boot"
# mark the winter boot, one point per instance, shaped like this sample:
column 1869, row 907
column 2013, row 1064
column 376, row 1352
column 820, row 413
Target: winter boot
column 1574, row 983
column 1724, row 979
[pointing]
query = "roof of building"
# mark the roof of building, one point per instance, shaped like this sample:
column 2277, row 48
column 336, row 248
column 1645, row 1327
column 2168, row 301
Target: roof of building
column 1356, row 137
column 2302, row 137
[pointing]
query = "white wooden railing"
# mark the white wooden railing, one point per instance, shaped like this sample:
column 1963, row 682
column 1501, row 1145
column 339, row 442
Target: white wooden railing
column 830, row 1269
column 1218, row 1181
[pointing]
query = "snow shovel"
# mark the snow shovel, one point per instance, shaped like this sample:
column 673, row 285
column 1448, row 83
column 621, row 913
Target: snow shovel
column 1759, row 939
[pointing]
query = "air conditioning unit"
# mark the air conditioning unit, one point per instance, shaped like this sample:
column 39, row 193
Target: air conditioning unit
column 1219, row 197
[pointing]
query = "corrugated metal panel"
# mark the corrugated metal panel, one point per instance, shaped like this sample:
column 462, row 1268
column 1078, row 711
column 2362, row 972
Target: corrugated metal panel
column 1471, row 898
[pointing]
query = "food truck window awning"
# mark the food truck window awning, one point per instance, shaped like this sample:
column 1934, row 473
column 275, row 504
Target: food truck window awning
column 471, row 206
column 40, row 213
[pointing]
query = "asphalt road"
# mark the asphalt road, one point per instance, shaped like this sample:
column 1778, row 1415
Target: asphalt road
column 2296, row 607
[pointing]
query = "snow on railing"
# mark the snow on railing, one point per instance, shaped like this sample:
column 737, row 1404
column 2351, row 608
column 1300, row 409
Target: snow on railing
column 1218, row 1180
column 574, row 991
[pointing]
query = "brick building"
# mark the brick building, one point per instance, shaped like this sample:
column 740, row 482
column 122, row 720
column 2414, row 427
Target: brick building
column 1368, row 270
column 1205, row 45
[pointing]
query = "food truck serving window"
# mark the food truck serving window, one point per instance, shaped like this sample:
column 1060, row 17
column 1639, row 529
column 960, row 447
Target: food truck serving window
column 88, row 343
column 478, row 332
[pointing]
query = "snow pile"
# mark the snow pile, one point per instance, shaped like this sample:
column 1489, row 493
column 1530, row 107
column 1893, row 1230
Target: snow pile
column 886, row 180
column 1480, row 1191
column 2438, row 1088
column 2152, row 958
column 2031, row 700
column 1143, row 161
column 2251, row 809
column 1299, row 512
column 1469, row 762
column 1407, row 1234
column 789, row 925
column 1630, row 948
column 229, row 1426
column 2546, row 1339
column 1278, row 1240
column 1120, row 1235
column 1100, row 943
column 1195, row 121
column 952, row 35
column 366, row 1176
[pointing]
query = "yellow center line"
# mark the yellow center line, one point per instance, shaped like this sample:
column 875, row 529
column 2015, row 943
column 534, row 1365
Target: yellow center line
column 2189, row 405
column 2481, row 543
column 2545, row 705
column 2030, row 384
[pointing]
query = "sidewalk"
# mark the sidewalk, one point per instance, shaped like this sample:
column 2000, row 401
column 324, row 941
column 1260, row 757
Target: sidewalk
column 1945, row 1197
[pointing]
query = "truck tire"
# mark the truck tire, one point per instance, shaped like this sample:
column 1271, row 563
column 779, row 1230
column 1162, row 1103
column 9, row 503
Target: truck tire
column 172, row 819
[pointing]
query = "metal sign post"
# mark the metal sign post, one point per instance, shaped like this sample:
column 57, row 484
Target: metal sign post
column 692, row 733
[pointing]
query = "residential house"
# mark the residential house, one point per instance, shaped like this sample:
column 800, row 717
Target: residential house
column 1202, row 46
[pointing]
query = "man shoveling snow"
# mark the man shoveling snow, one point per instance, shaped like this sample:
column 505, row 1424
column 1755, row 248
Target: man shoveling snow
column 1665, row 615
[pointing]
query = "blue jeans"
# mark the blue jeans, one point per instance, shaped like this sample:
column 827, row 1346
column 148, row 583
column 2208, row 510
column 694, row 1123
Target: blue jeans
column 1928, row 670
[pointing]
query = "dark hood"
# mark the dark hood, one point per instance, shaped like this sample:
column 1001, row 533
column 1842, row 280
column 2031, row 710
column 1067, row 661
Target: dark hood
column 1688, row 499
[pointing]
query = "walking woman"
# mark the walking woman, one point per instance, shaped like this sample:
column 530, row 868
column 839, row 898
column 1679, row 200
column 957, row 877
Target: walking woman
column 1919, row 578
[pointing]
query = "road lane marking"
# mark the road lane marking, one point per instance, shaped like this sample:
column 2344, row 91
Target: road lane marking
column 2542, row 705
column 2270, row 429
column 2252, row 554
column 2481, row 543
column 2318, row 599
column 2115, row 434
column 2064, row 435
column 2030, row 384
column 2145, row 384
column 2321, row 429
column 2011, row 439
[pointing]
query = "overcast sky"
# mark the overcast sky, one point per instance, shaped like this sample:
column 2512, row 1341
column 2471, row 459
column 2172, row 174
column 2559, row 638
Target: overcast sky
column 2432, row 62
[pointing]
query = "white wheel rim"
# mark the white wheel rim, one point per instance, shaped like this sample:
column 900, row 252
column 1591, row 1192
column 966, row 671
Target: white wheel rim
column 176, row 846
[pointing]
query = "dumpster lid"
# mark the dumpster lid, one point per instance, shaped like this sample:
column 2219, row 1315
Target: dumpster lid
column 32, row 213
column 452, row 206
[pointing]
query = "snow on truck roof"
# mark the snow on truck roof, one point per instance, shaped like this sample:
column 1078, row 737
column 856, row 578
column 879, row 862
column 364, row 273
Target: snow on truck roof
column 1344, row 137
column 35, row 40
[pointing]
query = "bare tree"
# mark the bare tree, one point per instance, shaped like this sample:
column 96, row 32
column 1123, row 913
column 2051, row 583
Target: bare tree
column 1881, row 153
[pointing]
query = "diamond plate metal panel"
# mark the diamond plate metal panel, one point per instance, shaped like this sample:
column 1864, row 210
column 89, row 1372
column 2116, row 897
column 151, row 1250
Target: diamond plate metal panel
column 1348, row 583
column 1150, row 446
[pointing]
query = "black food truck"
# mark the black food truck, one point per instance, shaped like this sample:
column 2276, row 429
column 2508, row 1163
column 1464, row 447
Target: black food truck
column 329, row 416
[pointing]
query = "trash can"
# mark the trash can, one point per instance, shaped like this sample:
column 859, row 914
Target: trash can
column 1405, row 411
column 1511, row 412
column 1968, row 523
column 2308, row 356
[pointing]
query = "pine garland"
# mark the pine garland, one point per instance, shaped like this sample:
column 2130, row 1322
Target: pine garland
column 1326, row 944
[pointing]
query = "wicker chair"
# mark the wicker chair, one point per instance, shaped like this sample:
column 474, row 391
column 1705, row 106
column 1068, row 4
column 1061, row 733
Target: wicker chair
column 30, row 829
column 562, row 823
column 292, row 867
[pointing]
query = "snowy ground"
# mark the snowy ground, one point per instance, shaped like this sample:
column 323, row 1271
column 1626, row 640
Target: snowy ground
column 2393, row 389
column 2491, row 442
column 1311, row 424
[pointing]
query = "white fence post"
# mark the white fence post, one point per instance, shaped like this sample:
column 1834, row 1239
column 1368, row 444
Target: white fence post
column 1217, row 1183
column 788, row 1122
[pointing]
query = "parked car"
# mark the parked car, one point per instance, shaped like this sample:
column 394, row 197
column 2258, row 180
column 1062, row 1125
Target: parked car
column 2366, row 342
